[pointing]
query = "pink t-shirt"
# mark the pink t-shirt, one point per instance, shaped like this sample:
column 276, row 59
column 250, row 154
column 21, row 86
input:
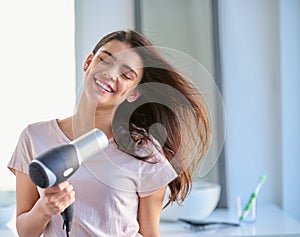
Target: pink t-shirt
column 107, row 186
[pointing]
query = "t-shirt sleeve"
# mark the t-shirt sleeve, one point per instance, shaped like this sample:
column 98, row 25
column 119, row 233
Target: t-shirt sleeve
column 155, row 176
column 22, row 154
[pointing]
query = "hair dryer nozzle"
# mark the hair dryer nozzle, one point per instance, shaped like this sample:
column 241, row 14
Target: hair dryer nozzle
column 90, row 144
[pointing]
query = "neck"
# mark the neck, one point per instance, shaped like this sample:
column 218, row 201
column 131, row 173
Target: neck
column 90, row 116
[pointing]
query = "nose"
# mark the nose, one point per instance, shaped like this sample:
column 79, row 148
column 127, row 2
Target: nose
column 111, row 73
column 105, row 74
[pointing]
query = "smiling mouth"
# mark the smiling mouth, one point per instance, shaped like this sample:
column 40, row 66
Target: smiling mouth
column 104, row 86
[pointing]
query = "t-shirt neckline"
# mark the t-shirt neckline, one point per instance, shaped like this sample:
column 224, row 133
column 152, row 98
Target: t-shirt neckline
column 64, row 137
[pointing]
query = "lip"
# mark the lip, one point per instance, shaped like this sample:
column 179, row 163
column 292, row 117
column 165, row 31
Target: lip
column 104, row 86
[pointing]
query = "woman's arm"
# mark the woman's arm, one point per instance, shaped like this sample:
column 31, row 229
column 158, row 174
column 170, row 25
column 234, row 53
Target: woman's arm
column 34, row 212
column 149, row 213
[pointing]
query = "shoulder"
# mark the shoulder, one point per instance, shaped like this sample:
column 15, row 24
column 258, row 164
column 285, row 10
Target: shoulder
column 42, row 135
column 41, row 129
column 41, row 125
column 34, row 128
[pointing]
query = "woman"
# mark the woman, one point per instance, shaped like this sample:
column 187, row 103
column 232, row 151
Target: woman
column 121, row 192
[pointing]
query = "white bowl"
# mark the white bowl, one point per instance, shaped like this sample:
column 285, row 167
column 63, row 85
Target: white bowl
column 7, row 206
column 199, row 204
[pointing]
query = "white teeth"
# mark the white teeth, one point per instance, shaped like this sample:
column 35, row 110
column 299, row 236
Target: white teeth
column 103, row 86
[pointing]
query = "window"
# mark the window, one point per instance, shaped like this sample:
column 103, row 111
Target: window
column 37, row 69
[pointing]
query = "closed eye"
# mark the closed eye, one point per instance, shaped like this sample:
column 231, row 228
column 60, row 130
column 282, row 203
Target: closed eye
column 104, row 61
column 106, row 57
column 126, row 75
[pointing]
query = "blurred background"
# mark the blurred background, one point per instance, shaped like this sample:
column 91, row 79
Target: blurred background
column 250, row 48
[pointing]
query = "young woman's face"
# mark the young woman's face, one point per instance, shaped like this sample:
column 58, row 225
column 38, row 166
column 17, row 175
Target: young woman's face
column 112, row 74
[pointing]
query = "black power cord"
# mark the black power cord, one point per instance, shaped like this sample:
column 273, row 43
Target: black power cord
column 66, row 227
column 67, row 216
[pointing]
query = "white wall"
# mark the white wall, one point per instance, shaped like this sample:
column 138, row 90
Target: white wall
column 251, row 86
column 260, row 42
column 290, row 99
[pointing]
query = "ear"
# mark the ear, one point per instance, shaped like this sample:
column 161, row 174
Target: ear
column 88, row 61
column 134, row 95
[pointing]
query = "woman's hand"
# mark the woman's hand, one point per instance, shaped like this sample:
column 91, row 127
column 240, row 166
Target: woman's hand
column 34, row 211
column 56, row 199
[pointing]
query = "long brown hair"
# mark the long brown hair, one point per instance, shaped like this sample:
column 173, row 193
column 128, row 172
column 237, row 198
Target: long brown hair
column 188, row 125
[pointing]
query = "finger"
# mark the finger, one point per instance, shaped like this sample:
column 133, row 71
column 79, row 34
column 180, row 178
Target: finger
column 64, row 202
column 66, row 196
column 56, row 203
column 61, row 186
column 59, row 195
column 68, row 199
column 57, row 188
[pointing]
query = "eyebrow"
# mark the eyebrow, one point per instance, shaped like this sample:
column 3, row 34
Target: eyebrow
column 124, row 65
column 109, row 54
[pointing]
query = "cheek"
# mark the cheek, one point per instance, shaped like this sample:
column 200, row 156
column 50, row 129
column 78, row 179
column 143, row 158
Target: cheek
column 125, row 87
column 86, row 81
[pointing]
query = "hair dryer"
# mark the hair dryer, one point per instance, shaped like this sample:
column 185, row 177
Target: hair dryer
column 60, row 162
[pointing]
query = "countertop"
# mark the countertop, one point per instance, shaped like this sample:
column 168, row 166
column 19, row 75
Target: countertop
column 270, row 221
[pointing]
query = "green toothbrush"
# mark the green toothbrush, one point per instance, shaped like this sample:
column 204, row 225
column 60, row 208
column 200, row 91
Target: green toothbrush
column 252, row 198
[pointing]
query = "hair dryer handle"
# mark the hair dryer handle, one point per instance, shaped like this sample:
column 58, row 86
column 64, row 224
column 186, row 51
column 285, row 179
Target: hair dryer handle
column 67, row 215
